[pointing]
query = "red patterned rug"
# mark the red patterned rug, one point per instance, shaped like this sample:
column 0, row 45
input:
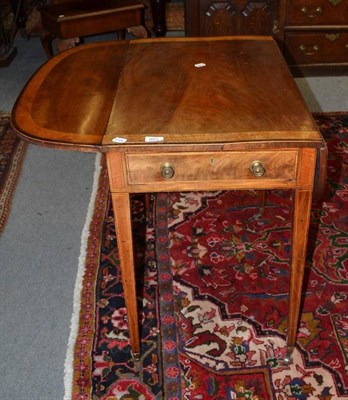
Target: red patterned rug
column 12, row 150
column 213, row 296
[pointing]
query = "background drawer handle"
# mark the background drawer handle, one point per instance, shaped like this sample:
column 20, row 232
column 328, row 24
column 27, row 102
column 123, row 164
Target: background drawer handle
column 309, row 50
column 257, row 168
column 312, row 13
column 335, row 2
column 332, row 36
column 167, row 170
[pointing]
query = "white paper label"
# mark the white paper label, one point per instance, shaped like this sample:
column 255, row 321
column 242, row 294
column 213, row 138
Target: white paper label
column 119, row 140
column 153, row 139
column 200, row 65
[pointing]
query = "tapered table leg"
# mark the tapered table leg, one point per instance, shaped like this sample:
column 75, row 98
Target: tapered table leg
column 301, row 218
column 123, row 225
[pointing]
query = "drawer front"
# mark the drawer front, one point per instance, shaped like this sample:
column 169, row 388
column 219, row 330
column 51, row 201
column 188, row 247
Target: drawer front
column 204, row 167
column 317, row 12
column 316, row 48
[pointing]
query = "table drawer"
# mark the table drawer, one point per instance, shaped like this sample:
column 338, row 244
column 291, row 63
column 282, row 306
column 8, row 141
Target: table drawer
column 317, row 12
column 316, row 48
column 210, row 166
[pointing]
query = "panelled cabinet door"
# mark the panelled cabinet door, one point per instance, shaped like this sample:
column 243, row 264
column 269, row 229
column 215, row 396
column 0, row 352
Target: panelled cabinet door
column 232, row 17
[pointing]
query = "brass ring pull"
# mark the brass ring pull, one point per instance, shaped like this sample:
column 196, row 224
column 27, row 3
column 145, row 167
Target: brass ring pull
column 312, row 13
column 167, row 170
column 257, row 168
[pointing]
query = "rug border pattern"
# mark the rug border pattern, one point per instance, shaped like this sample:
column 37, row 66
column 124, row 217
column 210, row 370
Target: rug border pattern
column 12, row 176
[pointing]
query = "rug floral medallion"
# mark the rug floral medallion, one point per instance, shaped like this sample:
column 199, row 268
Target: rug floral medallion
column 213, row 278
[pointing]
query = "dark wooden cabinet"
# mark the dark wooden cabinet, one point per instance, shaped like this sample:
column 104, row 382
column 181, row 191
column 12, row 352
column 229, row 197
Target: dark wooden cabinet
column 236, row 17
column 313, row 34
column 316, row 36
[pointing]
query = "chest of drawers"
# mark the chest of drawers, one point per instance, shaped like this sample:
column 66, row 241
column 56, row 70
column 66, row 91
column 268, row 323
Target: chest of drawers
column 312, row 34
column 316, row 36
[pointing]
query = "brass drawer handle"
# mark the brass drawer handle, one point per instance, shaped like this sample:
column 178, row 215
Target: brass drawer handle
column 257, row 168
column 167, row 170
column 335, row 2
column 309, row 50
column 332, row 36
column 312, row 13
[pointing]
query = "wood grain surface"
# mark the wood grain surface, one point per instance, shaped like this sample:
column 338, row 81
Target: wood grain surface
column 86, row 97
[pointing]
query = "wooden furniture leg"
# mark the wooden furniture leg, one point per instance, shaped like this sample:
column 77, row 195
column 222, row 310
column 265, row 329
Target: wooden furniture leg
column 46, row 42
column 123, row 225
column 158, row 9
column 121, row 34
column 147, row 204
column 262, row 199
column 301, row 218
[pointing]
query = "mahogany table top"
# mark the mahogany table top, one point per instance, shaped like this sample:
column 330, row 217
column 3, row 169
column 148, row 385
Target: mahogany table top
column 173, row 91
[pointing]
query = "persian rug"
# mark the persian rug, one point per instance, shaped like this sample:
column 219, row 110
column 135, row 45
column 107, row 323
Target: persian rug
column 213, row 280
column 12, row 151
